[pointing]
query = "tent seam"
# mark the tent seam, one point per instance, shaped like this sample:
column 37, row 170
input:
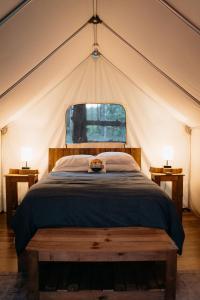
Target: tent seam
column 152, row 64
column 180, row 16
column 14, row 11
column 131, row 81
column 43, row 60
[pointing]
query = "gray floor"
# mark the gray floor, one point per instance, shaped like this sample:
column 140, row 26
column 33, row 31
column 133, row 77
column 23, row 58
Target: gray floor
column 12, row 286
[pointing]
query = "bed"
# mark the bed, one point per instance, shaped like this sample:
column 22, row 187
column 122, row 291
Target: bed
column 81, row 199
column 115, row 199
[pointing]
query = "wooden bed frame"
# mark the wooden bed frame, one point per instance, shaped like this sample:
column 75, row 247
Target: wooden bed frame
column 56, row 153
column 53, row 245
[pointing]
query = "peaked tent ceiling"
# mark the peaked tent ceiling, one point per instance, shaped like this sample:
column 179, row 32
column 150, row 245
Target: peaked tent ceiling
column 154, row 30
column 157, row 33
column 150, row 80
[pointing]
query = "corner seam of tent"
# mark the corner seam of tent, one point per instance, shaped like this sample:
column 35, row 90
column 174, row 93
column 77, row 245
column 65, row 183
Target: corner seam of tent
column 69, row 74
column 127, row 77
column 151, row 63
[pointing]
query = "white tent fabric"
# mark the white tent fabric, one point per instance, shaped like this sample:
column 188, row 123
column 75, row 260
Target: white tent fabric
column 170, row 44
column 195, row 169
column 44, row 78
column 35, row 31
column 148, row 125
column 158, row 106
column 150, row 80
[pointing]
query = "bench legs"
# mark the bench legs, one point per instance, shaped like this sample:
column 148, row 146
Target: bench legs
column 33, row 275
column 170, row 280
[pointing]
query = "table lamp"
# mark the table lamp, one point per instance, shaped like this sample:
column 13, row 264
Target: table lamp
column 168, row 153
column 26, row 156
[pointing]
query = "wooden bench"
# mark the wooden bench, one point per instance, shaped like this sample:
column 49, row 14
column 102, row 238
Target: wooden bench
column 101, row 245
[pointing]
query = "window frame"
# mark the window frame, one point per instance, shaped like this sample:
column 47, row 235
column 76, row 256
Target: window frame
column 97, row 142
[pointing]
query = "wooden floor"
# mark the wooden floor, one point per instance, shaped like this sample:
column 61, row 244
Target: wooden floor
column 190, row 259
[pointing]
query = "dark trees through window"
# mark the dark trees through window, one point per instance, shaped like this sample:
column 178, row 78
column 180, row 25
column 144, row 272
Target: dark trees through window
column 95, row 123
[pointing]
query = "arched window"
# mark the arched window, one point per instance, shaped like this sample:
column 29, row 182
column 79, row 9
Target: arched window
column 87, row 123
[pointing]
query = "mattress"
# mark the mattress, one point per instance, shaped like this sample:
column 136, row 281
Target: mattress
column 78, row 199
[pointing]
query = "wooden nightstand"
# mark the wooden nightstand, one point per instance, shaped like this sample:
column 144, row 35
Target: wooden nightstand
column 175, row 176
column 15, row 176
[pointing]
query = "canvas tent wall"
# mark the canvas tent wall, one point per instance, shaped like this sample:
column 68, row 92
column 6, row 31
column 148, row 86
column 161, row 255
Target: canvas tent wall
column 158, row 106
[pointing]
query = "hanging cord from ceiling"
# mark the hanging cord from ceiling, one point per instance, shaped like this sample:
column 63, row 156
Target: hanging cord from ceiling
column 95, row 20
column 180, row 16
column 94, row 6
column 151, row 63
column 95, row 35
column 95, row 52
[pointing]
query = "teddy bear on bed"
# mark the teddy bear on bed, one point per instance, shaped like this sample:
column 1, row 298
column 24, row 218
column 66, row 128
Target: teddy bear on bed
column 97, row 165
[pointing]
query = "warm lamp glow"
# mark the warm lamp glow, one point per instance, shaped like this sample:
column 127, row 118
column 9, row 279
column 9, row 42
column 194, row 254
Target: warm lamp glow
column 168, row 154
column 26, row 156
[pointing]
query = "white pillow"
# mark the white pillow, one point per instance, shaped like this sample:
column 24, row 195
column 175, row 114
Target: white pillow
column 119, row 161
column 120, row 168
column 72, row 163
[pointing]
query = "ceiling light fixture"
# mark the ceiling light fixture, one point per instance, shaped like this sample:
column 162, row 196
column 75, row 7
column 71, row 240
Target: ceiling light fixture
column 96, row 54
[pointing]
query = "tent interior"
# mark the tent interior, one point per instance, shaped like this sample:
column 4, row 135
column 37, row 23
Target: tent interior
column 157, row 82
column 149, row 63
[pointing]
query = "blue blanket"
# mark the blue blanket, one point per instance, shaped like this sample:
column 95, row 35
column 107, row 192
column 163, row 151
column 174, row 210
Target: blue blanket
column 95, row 200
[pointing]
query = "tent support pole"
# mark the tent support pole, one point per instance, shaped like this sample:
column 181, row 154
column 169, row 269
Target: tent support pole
column 180, row 16
column 43, row 61
column 1, row 175
column 152, row 64
column 14, row 11
column 189, row 169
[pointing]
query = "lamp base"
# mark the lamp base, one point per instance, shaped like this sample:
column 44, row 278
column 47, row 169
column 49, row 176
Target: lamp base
column 25, row 168
column 167, row 167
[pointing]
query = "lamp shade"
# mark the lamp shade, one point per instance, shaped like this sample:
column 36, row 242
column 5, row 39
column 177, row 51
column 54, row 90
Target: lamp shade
column 168, row 153
column 26, row 154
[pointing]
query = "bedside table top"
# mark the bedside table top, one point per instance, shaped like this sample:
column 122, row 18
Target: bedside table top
column 21, row 175
column 167, row 174
column 165, row 171
column 23, row 172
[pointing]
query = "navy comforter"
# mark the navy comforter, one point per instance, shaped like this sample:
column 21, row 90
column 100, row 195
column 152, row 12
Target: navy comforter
column 95, row 200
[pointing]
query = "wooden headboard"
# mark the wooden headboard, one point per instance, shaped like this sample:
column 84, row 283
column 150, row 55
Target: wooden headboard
column 56, row 153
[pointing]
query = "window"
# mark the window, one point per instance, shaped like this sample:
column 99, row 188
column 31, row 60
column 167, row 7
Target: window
column 87, row 123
